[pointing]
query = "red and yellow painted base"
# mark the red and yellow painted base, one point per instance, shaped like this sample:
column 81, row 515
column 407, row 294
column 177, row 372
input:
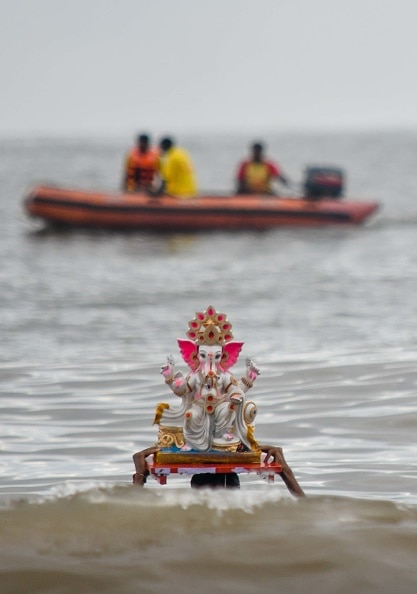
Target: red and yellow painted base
column 160, row 471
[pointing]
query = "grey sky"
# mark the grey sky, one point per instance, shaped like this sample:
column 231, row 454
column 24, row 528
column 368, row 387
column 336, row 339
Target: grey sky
column 106, row 67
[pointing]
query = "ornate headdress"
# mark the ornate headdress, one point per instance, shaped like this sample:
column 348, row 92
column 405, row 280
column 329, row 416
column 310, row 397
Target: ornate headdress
column 210, row 327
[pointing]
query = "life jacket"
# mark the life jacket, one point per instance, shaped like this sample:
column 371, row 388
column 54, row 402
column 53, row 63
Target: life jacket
column 141, row 169
column 257, row 176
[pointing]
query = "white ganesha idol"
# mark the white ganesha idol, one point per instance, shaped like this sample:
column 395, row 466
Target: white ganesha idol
column 214, row 414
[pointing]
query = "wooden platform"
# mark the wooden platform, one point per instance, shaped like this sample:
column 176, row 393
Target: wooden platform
column 175, row 456
column 161, row 471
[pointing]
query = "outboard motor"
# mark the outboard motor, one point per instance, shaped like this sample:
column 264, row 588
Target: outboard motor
column 323, row 182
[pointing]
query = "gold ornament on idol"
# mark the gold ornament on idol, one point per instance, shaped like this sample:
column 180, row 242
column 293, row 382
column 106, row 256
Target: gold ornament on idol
column 210, row 327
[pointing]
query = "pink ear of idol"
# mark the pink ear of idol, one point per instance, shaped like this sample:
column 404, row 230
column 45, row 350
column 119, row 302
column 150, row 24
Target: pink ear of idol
column 188, row 350
column 232, row 351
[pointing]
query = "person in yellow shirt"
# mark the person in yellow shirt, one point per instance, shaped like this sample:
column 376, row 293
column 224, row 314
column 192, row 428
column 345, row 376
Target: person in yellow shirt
column 176, row 171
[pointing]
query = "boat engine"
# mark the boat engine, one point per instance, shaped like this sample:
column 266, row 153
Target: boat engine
column 323, row 182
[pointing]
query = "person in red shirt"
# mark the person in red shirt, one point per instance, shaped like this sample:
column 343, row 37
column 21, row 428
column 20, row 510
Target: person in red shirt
column 141, row 166
column 256, row 174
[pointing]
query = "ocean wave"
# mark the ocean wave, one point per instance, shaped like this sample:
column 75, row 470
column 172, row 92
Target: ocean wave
column 112, row 539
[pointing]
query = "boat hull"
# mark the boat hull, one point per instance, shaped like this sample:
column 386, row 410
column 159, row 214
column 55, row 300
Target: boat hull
column 79, row 208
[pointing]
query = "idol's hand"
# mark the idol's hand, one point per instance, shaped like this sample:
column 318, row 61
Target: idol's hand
column 252, row 371
column 168, row 369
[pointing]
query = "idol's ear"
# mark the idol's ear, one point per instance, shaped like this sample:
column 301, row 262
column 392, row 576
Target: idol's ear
column 231, row 351
column 189, row 351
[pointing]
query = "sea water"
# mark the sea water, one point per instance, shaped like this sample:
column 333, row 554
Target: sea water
column 328, row 315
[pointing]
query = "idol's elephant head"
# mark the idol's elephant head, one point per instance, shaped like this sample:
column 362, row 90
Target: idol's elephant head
column 209, row 358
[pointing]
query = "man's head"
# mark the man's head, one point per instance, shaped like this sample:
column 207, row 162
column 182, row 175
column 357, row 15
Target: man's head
column 215, row 481
column 257, row 151
column 143, row 142
column 165, row 144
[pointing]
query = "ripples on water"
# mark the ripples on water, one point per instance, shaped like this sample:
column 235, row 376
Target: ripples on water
column 88, row 318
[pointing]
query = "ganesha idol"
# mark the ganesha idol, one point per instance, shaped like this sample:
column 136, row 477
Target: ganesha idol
column 214, row 418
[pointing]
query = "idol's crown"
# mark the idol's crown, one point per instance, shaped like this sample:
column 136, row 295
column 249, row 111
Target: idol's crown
column 210, row 327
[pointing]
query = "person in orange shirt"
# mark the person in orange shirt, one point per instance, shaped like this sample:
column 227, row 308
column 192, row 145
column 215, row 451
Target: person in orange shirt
column 141, row 166
column 256, row 174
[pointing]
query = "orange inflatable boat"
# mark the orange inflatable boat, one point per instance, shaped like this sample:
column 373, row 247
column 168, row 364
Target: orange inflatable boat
column 80, row 208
